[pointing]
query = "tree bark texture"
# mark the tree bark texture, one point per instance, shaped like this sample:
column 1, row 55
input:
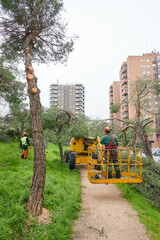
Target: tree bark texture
column 36, row 196
column 144, row 139
column 61, row 152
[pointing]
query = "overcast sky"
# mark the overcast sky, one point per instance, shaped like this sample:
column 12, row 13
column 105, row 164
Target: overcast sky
column 109, row 31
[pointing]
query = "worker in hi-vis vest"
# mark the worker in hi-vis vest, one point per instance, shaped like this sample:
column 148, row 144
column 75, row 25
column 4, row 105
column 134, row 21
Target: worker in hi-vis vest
column 111, row 143
column 24, row 144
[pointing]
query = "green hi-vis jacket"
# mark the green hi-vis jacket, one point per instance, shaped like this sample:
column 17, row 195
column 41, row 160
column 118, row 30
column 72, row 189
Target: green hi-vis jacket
column 24, row 141
column 105, row 140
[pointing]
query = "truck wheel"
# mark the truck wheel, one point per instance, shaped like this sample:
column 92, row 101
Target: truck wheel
column 66, row 156
column 71, row 160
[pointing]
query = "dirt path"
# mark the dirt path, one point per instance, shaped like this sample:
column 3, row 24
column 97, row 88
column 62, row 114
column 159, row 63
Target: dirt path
column 105, row 214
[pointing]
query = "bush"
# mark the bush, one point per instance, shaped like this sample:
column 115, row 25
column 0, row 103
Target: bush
column 4, row 137
column 150, row 187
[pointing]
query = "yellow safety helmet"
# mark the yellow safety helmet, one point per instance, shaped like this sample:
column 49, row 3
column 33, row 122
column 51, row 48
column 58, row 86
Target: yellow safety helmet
column 107, row 129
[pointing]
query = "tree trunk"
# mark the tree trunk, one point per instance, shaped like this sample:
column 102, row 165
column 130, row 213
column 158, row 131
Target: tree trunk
column 36, row 196
column 61, row 152
column 144, row 140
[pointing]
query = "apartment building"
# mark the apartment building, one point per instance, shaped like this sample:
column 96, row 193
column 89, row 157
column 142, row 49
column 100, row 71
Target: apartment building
column 114, row 98
column 144, row 66
column 124, row 112
column 68, row 97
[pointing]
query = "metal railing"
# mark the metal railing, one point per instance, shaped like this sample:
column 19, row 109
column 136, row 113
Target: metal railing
column 129, row 161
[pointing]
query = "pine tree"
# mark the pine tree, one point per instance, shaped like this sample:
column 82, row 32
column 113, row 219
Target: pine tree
column 32, row 30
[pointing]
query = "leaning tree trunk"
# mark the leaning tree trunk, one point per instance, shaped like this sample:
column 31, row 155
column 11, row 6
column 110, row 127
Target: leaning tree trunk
column 36, row 196
column 144, row 140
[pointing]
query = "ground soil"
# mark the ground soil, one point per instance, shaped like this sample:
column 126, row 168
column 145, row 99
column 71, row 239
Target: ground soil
column 105, row 214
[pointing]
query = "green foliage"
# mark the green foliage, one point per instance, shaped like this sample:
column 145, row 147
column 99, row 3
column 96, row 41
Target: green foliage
column 60, row 198
column 12, row 90
column 139, row 95
column 129, row 136
column 156, row 86
column 150, row 187
column 80, row 128
column 96, row 128
column 42, row 21
column 55, row 124
column 4, row 137
column 115, row 108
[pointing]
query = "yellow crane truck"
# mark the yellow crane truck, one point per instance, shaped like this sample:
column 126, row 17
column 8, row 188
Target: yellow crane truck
column 78, row 152
column 90, row 151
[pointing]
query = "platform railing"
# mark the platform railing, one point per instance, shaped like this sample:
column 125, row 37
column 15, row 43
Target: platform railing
column 129, row 161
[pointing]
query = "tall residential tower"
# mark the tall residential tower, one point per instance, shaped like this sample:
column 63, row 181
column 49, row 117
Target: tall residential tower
column 68, row 97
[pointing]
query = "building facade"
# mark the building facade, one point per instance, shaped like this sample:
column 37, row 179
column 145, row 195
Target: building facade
column 114, row 98
column 144, row 66
column 68, row 97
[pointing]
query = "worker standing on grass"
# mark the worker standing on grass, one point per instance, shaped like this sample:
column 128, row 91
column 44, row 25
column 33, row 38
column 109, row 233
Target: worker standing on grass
column 111, row 142
column 24, row 144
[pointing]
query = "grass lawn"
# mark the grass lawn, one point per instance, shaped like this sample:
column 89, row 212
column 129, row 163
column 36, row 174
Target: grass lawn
column 148, row 215
column 62, row 195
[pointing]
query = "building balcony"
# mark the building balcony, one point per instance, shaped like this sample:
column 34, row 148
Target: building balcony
column 155, row 74
column 154, row 60
column 125, row 101
column 79, row 97
column 123, row 75
column 124, row 67
column 124, row 97
column 125, row 113
column 124, row 83
column 125, row 118
column 79, row 92
column 79, row 103
column 124, row 90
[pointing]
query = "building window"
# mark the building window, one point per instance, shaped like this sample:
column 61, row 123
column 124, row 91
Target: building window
column 148, row 72
column 147, row 60
column 147, row 66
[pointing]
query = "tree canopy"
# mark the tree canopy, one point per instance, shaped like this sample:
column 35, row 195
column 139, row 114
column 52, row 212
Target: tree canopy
column 11, row 89
column 37, row 22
